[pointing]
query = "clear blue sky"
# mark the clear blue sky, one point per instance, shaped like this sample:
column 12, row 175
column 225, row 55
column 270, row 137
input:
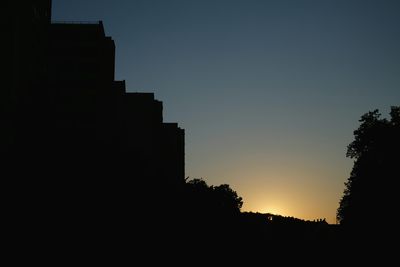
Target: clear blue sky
column 269, row 92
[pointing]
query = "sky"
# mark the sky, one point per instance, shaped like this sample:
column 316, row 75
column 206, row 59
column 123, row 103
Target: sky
column 268, row 92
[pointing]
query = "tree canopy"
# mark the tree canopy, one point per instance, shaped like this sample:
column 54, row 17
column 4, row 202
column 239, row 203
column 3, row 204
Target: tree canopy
column 220, row 198
column 370, row 189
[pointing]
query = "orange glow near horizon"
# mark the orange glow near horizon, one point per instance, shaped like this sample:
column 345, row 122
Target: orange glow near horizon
column 268, row 102
column 273, row 205
column 274, row 209
column 297, row 206
column 298, row 191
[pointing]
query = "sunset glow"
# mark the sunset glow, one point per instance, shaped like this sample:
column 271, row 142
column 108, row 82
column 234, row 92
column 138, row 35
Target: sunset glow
column 268, row 92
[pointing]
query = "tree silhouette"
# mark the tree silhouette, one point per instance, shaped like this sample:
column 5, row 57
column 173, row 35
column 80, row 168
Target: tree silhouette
column 227, row 199
column 213, row 198
column 371, row 188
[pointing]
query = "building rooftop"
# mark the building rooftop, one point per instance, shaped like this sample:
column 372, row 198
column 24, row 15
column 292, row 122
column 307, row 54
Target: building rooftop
column 84, row 30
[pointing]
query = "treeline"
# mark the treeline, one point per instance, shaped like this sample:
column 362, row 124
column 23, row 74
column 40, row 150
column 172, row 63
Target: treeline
column 208, row 217
column 212, row 213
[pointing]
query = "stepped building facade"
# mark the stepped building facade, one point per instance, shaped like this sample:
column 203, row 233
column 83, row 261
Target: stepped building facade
column 65, row 102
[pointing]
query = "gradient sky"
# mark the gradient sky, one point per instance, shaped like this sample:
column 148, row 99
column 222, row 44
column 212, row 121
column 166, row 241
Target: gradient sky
column 269, row 92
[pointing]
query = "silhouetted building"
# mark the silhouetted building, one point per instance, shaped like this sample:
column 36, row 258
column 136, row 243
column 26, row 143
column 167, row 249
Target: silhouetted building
column 29, row 24
column 95, row 110
column 155, row 141
column 66, row 103
column 80, row 53
column 26, row 71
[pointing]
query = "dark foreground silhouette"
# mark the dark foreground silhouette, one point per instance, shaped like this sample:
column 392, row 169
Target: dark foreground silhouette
column 371, row 187
column 92, row 172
